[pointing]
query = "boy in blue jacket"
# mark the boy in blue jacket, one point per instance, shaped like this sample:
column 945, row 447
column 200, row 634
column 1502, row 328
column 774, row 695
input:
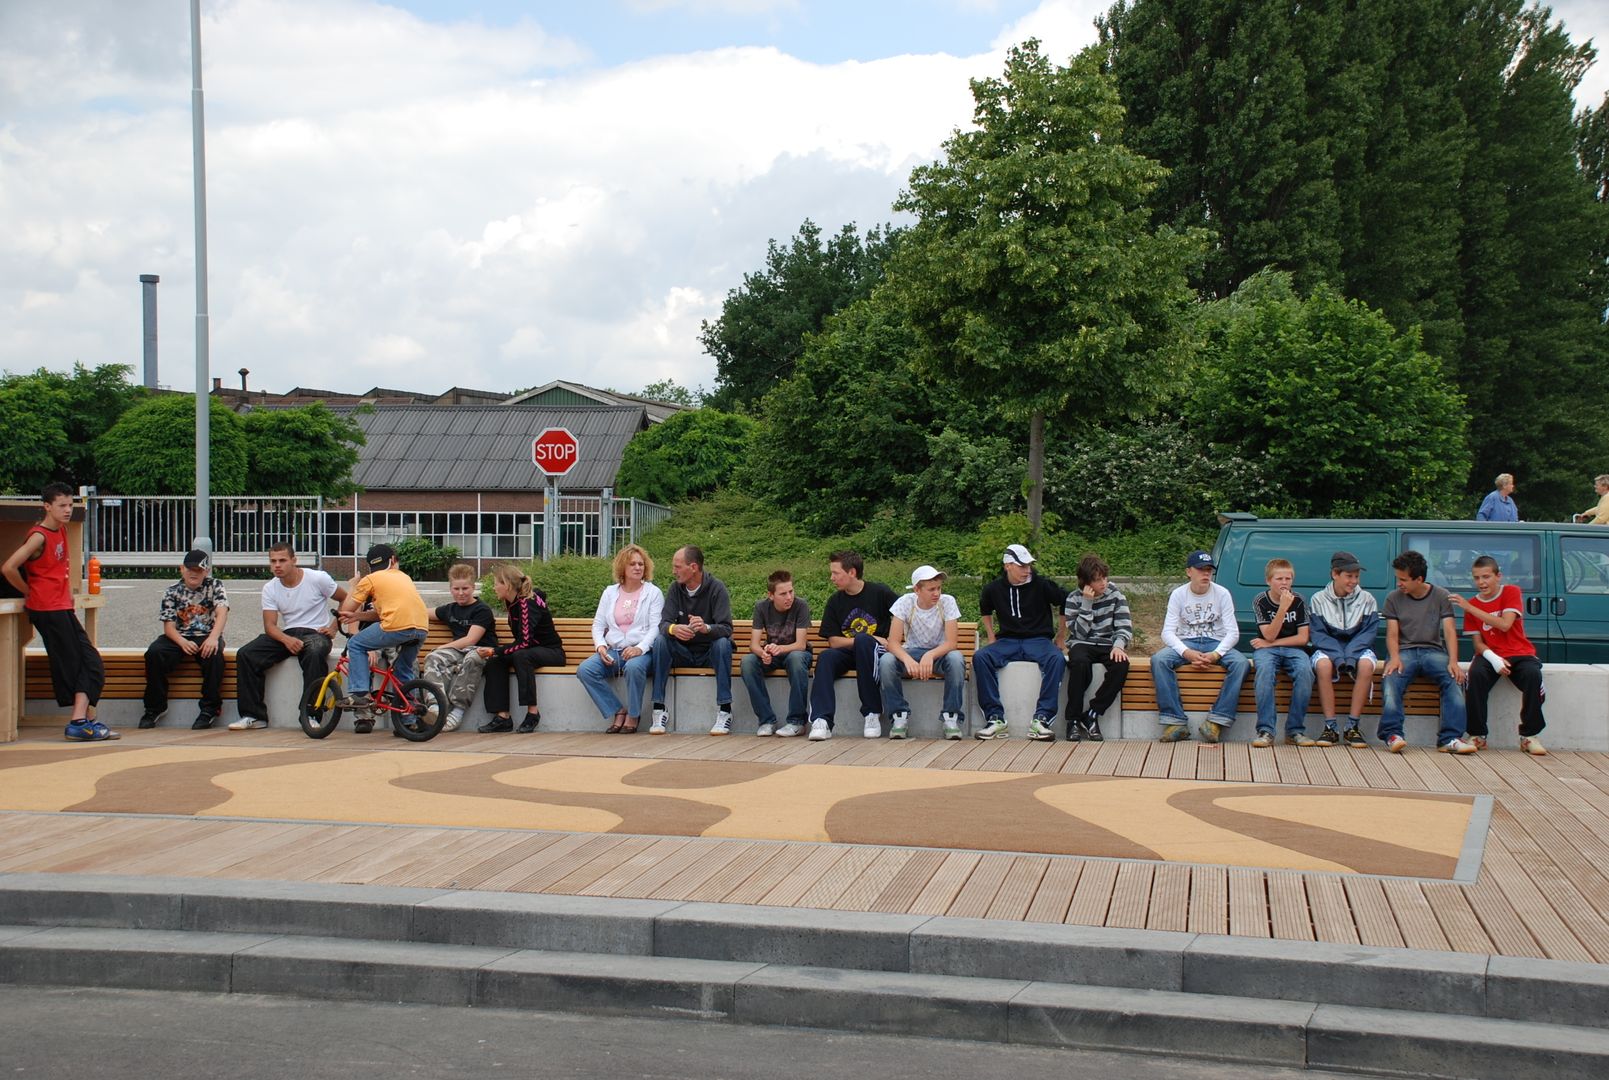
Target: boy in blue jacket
column 1342, row 622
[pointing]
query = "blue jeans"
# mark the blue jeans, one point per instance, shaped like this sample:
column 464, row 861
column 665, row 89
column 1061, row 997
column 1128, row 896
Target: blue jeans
column 595, row 675
column 1429, row 664
column 372, row 638
column 952, row 666
column 714, row 652
column 987, row 662
column 797, row 665
column 862, row 656
column 1170, row 710
column 1268, row 663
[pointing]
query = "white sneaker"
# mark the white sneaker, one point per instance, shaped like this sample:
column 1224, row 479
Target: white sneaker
column 874, row 726
column 1039, row 730
column 454, row 718
column 952, row 725
column 248, row 723
column 723, row 723
column 661, row 717
column 819, row 731
column 1457, row 746
column 995, row 728
column 900, row 725
column 790, row 730
column 765, row 730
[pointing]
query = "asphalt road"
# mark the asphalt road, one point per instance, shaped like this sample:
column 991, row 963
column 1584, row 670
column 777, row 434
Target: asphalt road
column 126, row 1034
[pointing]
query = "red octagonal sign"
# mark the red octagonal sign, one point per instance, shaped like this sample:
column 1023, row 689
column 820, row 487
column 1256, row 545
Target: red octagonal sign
column 555, row 451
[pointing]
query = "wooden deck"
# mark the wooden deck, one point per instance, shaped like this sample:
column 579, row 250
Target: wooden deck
column 1542, row 890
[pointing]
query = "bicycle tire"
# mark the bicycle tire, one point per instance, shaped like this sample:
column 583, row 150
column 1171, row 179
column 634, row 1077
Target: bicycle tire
column 320, row 716
column 427, row 712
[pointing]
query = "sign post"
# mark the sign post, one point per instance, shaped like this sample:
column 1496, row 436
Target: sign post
column 555, row 452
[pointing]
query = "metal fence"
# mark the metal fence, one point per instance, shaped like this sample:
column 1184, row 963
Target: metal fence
column 157, row 530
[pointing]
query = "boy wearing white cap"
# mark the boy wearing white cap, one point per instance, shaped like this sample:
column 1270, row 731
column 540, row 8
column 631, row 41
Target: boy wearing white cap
column 1199, row 630
column 923, row 637
column 1029, row 607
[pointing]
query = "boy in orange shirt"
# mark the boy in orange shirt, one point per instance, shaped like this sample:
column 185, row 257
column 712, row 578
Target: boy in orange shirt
column 402, row 623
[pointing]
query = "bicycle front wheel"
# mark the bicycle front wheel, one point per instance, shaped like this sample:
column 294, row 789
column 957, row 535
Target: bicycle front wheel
column 319, row 716
column 426, row 711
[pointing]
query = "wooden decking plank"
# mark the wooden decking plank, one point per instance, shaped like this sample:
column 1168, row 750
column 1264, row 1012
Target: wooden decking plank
column 1093, row 896
column 663, row 869
column 540, row 879
column 1534, row 910
column 1169, row 908
column 732, row 876
column 1371, row 912
column 1079, row 756
column 1317, row 763
column 1435, row 770
column 1159, row 759
column 1416, row 920
column 1580, row 914
column 1106, row 758
column 102, row 838
column 1131, row 895
column 1504, row 928
column 310, row 854
column 1209, row 900
column 1264, row 770
column 866, row 888
column 1343, row 763
column 1371, row 764
column 1055, row 891
column 504, row 869
column 1403, row 775
column 150, row 839
column 1332, row 915
column 1210, row 762
column 496, row 860
column 947, row 881
column 906, row 885
column 1018, row 889
column 1032, row 756
column 220, row 849
column 444, row 873
column 837, row 880
column 717, row 858
column 1237, row 761
column 1460, row 925
column 1248, row 902
column 799, row 880
column 599, row 866
column 928, row 750
column 1182, row 763
column 23, row 835
column 1288, row 760
column 981, row 887
column 1056, row 756
column 1287, row 907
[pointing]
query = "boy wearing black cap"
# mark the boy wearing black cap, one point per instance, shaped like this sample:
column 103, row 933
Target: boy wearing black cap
column 402, row 623
column 1199, row 630
column 1342, row 620
column 194, row 611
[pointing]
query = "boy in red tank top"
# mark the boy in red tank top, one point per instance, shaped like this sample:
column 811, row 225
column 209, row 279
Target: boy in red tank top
column 76, row 671
column 1494, row 618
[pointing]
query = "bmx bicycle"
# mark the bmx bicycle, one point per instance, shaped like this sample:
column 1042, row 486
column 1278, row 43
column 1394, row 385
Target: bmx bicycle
column 417, row 708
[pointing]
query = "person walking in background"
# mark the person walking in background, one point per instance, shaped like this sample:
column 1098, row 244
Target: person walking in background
column 1499, row 502
column 1599, row 514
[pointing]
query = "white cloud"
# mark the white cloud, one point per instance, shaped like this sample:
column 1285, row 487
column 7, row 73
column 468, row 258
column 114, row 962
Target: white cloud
column 714, row 7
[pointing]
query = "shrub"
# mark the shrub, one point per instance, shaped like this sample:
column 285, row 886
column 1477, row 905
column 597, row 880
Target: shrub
column 423, row 560
column 687, row 455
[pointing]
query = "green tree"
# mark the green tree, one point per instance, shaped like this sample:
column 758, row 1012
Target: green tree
column 1033, row 275
column 1351, row 418
column 49, row 421
column 686, row 455
column 761, row 331
column 308, row 450
column 674, row 392
column 151, row 450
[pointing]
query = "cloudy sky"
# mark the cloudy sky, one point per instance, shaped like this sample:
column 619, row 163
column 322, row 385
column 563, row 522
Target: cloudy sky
column 483, row 193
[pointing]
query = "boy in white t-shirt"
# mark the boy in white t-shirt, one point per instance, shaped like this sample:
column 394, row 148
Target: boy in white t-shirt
column 296, row 622
column 923, row 639
column 1199, row 631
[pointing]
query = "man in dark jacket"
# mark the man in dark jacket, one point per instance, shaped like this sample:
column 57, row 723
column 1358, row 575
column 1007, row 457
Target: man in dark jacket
column 695, row 630
column 1028, row 606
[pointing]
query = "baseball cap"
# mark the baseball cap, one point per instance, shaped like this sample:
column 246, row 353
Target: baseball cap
column 1018, row 554
column 925, row 573
column 1201, row 560
column 380, row 556
column 196, row 559
column 1345, row 560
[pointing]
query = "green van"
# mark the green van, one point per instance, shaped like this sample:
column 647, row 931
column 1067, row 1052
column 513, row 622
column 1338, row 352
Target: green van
column 1562, row 569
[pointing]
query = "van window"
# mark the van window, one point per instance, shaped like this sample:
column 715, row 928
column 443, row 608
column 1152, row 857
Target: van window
column 1451, row 554
column 1309, row 554
column 1586, row 564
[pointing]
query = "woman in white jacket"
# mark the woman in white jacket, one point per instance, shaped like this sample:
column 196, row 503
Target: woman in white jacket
column 622, row 631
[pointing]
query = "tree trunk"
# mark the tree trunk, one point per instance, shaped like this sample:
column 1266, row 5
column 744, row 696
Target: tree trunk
column 1036, row 473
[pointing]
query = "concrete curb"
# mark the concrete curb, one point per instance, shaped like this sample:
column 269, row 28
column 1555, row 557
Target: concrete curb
column 1392, row 1010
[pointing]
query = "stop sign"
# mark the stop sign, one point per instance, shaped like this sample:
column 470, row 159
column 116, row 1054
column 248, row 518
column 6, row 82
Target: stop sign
column 555, row 451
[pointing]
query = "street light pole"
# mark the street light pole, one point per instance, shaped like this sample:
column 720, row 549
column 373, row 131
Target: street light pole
column 198, row 126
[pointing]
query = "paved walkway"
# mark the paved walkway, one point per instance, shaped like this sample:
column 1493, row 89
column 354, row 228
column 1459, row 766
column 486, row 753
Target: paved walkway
column 1542, row 887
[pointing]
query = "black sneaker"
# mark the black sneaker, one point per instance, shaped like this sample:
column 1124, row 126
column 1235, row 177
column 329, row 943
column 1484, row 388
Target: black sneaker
column 363, row 726
column 1091, row 725
column 1354, row 738
column 1329, row 736
column 496, row 724
column 203, row 721
column 148, row 719
column 1074, row 730
column 528, row 725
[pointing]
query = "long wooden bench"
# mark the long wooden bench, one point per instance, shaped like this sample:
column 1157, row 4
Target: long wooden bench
column 1199, row 689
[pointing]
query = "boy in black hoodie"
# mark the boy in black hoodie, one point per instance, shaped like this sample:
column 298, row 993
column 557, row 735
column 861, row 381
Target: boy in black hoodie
column 1029, row 608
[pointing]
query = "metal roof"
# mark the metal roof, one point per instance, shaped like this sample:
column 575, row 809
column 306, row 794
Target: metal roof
column 656, row 410
column 485, row 447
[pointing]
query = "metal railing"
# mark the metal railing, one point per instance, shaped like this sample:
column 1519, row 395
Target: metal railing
column 157, row 530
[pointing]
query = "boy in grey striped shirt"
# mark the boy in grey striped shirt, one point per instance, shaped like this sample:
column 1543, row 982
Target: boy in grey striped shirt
column 1099, row 631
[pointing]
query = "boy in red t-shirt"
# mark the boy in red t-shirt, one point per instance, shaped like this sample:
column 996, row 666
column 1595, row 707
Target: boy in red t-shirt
column 1494, row 619
column 76, row 672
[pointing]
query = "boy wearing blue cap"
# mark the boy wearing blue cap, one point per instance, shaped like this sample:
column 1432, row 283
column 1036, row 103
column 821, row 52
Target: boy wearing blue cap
column 1199, row 630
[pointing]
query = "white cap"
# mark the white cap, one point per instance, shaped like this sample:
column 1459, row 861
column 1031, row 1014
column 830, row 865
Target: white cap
column 1018, row 554
column 925, row 573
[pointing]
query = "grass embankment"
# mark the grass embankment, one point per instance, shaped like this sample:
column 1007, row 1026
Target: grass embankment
column 743, row 542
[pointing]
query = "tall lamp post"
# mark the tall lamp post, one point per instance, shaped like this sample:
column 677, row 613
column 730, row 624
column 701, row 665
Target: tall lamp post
column 198, row 125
